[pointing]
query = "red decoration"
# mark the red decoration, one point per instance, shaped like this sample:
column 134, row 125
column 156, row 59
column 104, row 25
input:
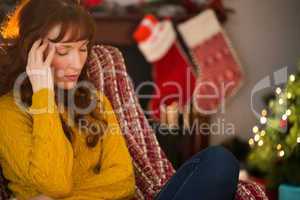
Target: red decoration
column 91, row 3
column 144, row 31
column 283, row 123
column 220, row 73
column 172, row 72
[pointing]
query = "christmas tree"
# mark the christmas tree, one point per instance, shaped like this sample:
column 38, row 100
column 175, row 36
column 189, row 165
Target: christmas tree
column 275, row 147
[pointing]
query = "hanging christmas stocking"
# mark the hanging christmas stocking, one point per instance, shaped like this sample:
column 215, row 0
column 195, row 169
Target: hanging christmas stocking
column 219, row 71
column 172, row 72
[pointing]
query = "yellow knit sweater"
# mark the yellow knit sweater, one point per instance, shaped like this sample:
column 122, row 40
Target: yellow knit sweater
column 37, row 158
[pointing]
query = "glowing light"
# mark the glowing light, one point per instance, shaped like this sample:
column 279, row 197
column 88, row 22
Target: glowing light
column 292, row 77
column 278, row 90
column 255, row 129
column 251, row 142
column 298, row 140
column 12, row 28
column 263, row 120
column 263, row 133
column 264, row 112
column 289, row 95
column 284, row 117
column 280, row 101
column 281, row 153
column 288, row 112
column 278, row 147
column 256, row 138
column 260, row 143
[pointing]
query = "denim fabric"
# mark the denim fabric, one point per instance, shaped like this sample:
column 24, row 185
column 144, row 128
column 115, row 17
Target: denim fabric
column 211, row 174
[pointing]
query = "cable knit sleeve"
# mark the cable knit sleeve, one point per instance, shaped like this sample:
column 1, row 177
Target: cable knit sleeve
column 116, row 177
column 37, row 150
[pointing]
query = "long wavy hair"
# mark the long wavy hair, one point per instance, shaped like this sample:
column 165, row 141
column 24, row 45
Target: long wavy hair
column 32, row 19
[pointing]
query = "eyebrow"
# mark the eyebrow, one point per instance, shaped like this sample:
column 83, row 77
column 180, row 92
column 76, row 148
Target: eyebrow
column 69, row 46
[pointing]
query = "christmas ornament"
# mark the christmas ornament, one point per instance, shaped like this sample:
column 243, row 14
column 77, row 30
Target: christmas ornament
column 91, row 3
column 172, row 72
column 219, row 70
column 283, row 123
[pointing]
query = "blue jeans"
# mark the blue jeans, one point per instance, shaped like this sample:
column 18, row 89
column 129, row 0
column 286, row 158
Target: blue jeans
column 211, row 174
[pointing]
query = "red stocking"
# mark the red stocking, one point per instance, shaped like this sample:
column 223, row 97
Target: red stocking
column 220, row 73
column 172, row 71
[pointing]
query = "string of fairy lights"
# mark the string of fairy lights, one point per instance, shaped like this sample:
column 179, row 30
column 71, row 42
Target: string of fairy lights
column 258, row 138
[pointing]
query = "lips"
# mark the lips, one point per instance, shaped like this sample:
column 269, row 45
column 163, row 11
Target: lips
column 72, row 77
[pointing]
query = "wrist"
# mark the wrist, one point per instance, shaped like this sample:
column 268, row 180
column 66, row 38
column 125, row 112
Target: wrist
column 41, row 79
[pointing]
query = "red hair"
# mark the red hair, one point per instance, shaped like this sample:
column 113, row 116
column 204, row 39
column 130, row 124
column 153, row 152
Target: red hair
column 32, row 19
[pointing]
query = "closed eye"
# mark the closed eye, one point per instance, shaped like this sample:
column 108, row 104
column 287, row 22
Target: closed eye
column 82, row 49
column 62, row 54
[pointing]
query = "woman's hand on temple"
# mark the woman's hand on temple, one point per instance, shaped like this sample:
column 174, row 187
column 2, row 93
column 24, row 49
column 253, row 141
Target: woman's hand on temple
column 38, row 69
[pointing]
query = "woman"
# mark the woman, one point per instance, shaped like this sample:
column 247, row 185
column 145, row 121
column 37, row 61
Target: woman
column 59, row 139
column 42, row 152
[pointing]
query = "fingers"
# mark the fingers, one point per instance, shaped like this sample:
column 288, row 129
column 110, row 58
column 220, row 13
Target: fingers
column 36, row 53
column 42, row 48
column 31, row 54
column 50, row 55
column 39, row 53
column 38, row 71
column 35, row 45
